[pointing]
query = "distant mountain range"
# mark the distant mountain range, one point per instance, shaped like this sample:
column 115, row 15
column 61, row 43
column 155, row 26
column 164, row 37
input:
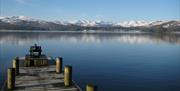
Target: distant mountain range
column 27, row 23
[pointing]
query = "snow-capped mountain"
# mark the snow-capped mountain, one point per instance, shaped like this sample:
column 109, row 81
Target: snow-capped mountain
column 166, row 23
column 86, row 23
column 159, row 22
column 14, row 19
column 20, row 19
column 133, row 23
column 24, row 22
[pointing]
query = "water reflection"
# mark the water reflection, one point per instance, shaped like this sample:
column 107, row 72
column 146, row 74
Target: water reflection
column 127, row 61
column 21, row 38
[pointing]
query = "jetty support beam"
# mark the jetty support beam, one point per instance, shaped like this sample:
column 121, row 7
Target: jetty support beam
column 91, row 87
column 67, row 75
column 59, row 64
column 11, row 79
column 16, row 65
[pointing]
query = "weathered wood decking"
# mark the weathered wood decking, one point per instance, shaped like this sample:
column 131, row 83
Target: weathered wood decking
column 42, row 79
column 34, row 73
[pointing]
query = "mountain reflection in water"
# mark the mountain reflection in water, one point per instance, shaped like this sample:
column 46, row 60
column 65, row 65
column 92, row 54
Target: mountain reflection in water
column 123, row 61
column 20, row 38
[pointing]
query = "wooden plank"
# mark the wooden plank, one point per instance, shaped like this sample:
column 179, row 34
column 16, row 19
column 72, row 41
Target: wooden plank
column 41, row 79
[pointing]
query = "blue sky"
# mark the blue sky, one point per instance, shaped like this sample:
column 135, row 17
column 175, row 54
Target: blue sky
column 108, row 10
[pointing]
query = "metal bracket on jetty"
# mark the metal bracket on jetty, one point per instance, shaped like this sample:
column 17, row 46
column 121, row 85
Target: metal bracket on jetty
column 34, row 73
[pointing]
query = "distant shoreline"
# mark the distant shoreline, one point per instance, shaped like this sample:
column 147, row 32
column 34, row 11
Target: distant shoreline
column 123, row 32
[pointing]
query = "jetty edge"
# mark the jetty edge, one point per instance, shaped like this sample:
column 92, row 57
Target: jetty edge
column 33, row 72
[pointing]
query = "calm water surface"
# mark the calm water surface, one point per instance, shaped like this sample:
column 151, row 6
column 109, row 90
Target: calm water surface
column 114, row 62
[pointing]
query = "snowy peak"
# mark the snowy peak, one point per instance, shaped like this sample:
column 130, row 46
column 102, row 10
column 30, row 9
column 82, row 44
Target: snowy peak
column 133, row 23
column 143, row 23
column 86, row 23
column 164, row 22
column 159, row 22
column 17, row 18
column 14, row 19
column 22, row 17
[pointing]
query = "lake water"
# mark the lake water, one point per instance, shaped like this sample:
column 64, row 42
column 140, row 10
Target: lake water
column 112, row 61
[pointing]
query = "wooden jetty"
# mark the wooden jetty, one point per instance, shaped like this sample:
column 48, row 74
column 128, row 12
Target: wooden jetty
column 33, row 73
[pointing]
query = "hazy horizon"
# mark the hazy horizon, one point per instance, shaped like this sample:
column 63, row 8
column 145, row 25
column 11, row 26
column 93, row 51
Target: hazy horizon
column 117, row 21
column 106, row 10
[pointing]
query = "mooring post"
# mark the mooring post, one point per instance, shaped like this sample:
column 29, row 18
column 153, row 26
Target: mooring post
column 59, row 64
column 91, row 87
column 67, row 75
column 11, row 79
column 40, row 63
column 16, row 65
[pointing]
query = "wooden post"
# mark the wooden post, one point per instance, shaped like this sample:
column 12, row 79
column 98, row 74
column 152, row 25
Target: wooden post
column 43, row 63
column 35, row 63
column 16, row 65
column 59, row 64
column 40, row 62
column 25, row 63
column 11, row 79
column 67, row 75
column 91, row 87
